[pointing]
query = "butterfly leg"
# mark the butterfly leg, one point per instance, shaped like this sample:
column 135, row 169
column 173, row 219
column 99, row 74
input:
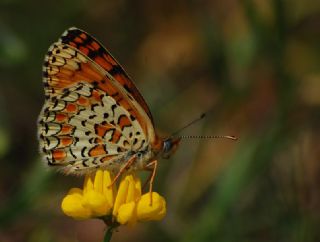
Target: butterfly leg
column 154, row 165
column 122, row 170
column 148, row 179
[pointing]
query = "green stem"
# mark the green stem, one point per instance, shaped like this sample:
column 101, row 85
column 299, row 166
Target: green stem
column 108, row 235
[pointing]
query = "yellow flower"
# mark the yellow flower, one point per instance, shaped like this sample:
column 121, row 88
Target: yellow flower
column 124, row 206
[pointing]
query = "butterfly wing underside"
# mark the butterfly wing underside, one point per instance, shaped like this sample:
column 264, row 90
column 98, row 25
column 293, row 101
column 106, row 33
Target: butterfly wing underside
column 96, row 52
column 93, row 114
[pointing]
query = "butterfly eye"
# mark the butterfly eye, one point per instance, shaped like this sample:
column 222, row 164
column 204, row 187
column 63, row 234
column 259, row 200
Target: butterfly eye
column 167, row 145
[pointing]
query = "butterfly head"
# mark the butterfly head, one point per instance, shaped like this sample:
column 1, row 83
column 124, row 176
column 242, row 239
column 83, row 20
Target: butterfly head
column 170, row 145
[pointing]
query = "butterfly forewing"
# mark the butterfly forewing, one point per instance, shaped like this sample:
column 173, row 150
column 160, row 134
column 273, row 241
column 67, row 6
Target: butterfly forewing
column 65, row 65
column 93, row 115
column 89, row 46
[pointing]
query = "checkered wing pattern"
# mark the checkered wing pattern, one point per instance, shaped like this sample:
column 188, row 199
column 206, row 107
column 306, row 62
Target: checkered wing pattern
column 93, row 114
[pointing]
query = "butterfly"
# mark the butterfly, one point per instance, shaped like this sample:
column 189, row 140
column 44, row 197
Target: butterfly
column 93, row 116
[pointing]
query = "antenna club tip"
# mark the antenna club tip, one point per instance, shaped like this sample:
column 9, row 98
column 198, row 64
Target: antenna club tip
column 203, row 115
column 233, row 137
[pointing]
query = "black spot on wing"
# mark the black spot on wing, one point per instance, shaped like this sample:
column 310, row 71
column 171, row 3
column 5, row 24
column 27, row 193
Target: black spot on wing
column 82, row 151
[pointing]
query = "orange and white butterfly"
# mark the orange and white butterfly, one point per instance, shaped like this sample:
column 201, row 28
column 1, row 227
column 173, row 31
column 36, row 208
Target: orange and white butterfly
column 94, row 116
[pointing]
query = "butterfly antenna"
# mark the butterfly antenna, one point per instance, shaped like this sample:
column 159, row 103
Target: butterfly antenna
column 200, row 136
column 209, row 137
column 188, row 125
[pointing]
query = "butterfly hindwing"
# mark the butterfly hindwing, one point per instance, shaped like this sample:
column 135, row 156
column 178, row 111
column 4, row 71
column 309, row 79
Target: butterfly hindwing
column 83, row 128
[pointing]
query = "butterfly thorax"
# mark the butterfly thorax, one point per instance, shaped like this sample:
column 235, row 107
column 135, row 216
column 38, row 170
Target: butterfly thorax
column 142, row 158
column 148, row 154
column 161, row 148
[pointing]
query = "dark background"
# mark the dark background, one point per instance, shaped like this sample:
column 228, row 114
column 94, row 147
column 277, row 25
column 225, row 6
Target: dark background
column 252, row 64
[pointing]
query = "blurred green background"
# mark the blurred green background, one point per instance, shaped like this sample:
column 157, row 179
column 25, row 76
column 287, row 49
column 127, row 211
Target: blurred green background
column 254, row 65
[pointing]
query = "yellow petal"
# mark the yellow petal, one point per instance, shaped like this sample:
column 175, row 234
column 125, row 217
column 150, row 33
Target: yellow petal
column 127, row 213
column 88, row 184
column 72, row 205
column 98, row 181
column 156, row 211
column 134, row 188
column 161, row 213
column 108, row 191
column 97, row 203
column 121, row 196
column 131, row 189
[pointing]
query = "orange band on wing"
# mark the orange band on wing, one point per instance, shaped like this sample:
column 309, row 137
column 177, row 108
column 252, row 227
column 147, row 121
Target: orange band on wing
column 97, row 151
column 65, row 141
column 83, row 101
column 58, row 155
column 66, row 129
column 61, row 117
column 71, row 108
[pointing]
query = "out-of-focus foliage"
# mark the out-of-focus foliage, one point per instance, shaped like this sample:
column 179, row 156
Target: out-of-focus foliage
column 252, row 64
